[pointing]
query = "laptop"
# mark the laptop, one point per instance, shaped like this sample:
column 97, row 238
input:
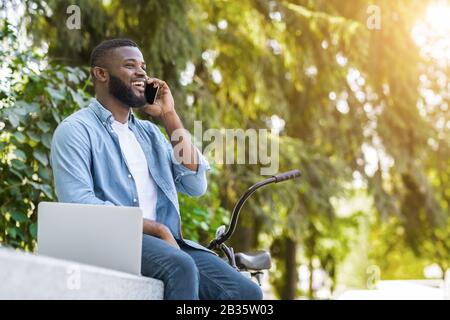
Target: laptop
column 99, row 235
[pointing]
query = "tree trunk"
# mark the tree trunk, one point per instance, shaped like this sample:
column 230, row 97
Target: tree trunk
column 310, row 246
column 289, row 289
column 310, row 287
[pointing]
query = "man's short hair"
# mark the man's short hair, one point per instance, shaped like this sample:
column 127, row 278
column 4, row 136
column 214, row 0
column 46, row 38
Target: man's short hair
column 100, row 52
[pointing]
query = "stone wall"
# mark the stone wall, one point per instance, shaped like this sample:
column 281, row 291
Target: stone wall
column 29, row 276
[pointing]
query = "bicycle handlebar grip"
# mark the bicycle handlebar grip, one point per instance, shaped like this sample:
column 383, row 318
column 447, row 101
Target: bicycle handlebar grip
column 287, row 175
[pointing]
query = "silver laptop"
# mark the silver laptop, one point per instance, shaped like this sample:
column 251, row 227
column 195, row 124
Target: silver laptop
column 104, row 236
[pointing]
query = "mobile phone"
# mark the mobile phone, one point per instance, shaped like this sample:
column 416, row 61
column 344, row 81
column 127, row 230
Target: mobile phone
column 151, row 93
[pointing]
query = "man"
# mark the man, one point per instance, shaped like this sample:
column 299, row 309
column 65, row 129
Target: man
column 103, row 154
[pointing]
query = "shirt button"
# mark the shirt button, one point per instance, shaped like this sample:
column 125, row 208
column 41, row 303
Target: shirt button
column 129, row 176
column 134, row 200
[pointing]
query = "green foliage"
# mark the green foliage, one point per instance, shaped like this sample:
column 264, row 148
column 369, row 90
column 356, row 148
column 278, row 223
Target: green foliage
column 39, row 96
column 356, row 103
column 36, row 98
column 201, row 216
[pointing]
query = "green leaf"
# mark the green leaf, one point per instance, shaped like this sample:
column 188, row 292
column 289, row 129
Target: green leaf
column 19, row 165
column 47, row 190
column 20, row 154
column 77, row 98
column 20, row 108
column 204, row 225
column 44, row 173
column 20, row 234
column 33, row 230
column 73, row 78
column 19, row 216
column 13, row 119
column 40, row 156
column 18, row 174
column 47, row 140
column 56, row 116
column 33, row 107
column 20, row 111
column 19, row 136
column 12, row 232
column 43, row 187
column 34, row 136
column 44, row 126
column 55, row 94
column 60, row 75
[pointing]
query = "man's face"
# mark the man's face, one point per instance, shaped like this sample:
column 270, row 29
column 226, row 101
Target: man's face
column 127, row 76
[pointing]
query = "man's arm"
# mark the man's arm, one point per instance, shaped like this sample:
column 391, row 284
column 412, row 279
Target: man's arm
column 71, row 163
column 188, row 164
column 164, row 110
column 159, row 230
column 180, row 140
column 70, row 159
column 187, row 181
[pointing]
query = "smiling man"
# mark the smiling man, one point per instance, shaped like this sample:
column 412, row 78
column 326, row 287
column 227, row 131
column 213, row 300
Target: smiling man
column 104, row 155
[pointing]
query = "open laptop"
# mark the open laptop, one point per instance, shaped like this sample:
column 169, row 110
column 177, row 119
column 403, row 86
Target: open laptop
column 104, row 236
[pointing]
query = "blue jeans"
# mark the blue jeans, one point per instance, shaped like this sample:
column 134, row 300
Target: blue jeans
column 190, row 274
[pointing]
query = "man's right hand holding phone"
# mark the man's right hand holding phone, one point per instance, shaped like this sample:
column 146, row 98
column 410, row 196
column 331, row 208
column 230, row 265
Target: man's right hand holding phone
column 163, row 103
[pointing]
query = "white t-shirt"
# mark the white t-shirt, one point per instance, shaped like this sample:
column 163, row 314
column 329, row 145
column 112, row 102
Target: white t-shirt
column 137, row 164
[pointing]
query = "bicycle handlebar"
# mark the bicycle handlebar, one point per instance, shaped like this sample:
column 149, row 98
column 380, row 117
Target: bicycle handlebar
column 287, row 175
column 236, row 210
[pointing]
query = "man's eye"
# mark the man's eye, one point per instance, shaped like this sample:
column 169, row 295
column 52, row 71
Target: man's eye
column 129, row 65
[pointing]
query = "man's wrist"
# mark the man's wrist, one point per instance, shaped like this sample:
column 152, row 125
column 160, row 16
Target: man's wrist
column 168, row 115
column 163, row 231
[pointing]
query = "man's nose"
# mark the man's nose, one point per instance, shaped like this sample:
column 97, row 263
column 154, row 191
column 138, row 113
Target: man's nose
column 141, row 72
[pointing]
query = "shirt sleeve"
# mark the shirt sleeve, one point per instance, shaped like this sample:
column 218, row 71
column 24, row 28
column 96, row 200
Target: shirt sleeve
column 70, row 159
column 187, row 181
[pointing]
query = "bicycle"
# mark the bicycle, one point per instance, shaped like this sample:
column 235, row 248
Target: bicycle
column 253, row 263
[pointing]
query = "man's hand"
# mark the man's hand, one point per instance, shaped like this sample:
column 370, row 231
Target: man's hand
column 159, row 230
column 164, row 102
column 168, row 237
column 164, row 110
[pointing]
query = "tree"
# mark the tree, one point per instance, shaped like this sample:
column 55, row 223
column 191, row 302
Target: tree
column 34, row 99
column 351, row 98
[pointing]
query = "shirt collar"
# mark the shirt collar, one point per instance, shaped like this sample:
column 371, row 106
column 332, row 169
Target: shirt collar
column 105, row 115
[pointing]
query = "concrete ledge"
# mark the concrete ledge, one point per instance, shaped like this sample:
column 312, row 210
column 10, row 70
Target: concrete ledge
column 29, row 276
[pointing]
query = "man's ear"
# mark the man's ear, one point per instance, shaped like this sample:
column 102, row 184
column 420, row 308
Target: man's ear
column 100, row 74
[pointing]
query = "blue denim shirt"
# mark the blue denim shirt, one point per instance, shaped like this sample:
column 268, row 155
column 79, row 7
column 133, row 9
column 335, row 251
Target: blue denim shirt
column 89, row 167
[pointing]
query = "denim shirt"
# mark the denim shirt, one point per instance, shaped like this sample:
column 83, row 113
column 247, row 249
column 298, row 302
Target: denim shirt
column 89, row 166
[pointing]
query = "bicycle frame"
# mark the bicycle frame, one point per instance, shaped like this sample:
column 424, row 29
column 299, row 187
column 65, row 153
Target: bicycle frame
column 222, row 235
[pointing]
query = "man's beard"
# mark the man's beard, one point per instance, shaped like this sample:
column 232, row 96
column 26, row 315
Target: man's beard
column 124, row 93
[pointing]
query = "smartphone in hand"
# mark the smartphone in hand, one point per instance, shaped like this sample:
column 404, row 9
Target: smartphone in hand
column 151, row 93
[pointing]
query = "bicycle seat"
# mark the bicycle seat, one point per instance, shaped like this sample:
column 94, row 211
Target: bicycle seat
column 259, row 260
